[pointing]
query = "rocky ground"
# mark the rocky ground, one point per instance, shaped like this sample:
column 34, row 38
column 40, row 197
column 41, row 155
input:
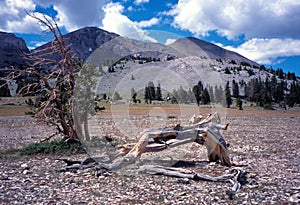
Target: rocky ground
column 264, row 143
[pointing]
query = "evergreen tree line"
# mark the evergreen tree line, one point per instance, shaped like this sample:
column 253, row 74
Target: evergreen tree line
column 264, row 92
column 152, row 92
column 199, row 94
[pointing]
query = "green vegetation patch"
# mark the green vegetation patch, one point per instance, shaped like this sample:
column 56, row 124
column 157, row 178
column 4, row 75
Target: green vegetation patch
column 52, row 147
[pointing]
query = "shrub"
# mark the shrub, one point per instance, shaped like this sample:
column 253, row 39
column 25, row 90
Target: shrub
column 227, row 71
column 243, row 63
column 53, row 147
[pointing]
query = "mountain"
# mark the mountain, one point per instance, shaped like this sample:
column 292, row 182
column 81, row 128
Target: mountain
column 183, row 63
column 84, row 41
column 190, row 57
column 196, row 47
column 11, row 49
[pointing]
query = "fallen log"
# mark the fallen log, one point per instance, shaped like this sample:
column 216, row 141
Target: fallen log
column 201, row 130
column 205, row 132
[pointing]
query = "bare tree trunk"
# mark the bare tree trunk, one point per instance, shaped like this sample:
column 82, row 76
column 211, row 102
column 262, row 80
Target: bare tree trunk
column 76, row 116
column 86, row 128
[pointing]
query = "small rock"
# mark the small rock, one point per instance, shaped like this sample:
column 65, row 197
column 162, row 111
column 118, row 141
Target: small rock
column 295, row 198
column 25, row 171
column 182, row 180
column 25, row 166
column 182, row 194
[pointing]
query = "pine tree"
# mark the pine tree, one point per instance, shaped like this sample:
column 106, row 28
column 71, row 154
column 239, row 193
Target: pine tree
column 205, row 97
column 197, row 94
column 85, row 92
column 147, row 95
column 200, row 86
column 197, row 90
column 151, row 90
column 191, row 96
column 280, row 91
column 227, row 71
column 292, row 97
column 273, row 88
column 133, row 95
column 158, row 95
column 228, row 95
column 116, row 96
column 182, row 95
column 235, row 89
column 218, row 94
column 279, row 72
column 239, row 103
column 175, row 97
column 211, row 93
column 4, row 90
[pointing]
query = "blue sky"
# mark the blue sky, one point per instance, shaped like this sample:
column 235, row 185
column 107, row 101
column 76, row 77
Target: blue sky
column 267, row 32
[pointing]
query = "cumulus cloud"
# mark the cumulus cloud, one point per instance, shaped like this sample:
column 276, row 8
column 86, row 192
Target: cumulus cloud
column 231, row 18
column 35, row 44
column 115, row 21
column 266, row 51
column 13, row 17
column 147, row 23
column 72, row 14
column 138, row 2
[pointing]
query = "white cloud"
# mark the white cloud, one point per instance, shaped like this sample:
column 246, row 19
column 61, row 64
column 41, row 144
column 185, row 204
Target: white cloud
column 138, row 2
column 170, row 41
column 266, row 51
column 147, row 23
column 34, row 44
column 13, row 17
column 74, row 14
column 115, row 21
column 231, row 18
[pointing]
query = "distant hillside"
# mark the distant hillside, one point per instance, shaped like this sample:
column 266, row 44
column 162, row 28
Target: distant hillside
column 11, row 49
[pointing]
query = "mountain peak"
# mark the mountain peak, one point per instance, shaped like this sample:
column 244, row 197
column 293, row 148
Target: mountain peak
column 85, row 40
column 197, row 47
column 90, row 29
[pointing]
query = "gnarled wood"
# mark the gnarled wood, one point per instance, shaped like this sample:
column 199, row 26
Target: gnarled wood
column 204, row 131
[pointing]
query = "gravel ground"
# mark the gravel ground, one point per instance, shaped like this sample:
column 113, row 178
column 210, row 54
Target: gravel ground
column 264, row 143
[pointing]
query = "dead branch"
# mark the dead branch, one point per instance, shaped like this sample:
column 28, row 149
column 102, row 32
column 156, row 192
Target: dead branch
column 205, row 131
column 52, row 70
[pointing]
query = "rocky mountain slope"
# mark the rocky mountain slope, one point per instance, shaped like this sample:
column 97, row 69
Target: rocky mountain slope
column 11, row 49
column 196, row 47
column 84, row 41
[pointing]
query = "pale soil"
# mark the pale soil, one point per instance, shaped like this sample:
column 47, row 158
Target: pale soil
column 264, row 143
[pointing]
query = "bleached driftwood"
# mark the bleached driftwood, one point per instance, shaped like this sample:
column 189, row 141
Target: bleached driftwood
column 202, row 130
